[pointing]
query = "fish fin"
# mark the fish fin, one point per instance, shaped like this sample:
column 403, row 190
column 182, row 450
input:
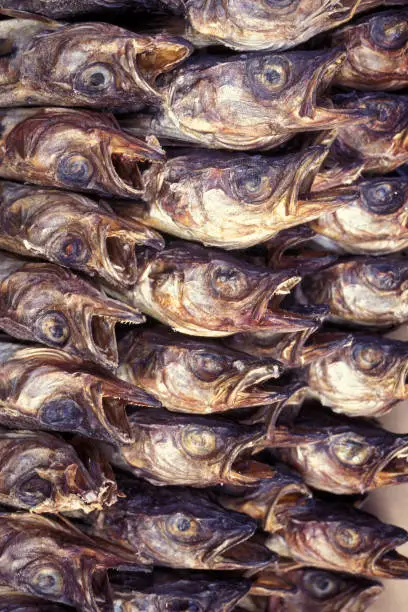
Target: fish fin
column 16, row 14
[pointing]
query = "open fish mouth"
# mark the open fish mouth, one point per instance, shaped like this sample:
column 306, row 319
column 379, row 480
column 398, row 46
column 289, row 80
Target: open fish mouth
column 239, row 468
column 96, row 588
column 363, row 596
column 250, row 392
column 305, row 176
column 287, row 496
column 394, row 468
column 389, row 563
column 125, row 159
column 242, row 555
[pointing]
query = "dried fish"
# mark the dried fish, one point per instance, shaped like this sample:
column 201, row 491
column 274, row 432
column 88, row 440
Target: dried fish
column 73, row 149
column 248, row 102
column 97, row 65
column 73, row 231
column 234, row 200
column 14, row 601
column 377, row 52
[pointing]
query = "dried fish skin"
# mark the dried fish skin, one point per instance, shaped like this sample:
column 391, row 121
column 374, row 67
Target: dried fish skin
column 59, row 564
column 356, row 456
column 195, row 376
column 377, row 52
column 233, row 200
column 375, row 223
column 179, row 528
column 12, row 600
column 42, row 473
column 74, row 149
column 380, row 144
column 247, row 102
column 190, row 450
column 95, row 65
column 336, row 536
column 205, row 292
column 73, row 231
column 45, row 388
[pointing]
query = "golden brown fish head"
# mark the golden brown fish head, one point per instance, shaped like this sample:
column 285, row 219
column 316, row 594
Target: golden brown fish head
column 73, row 231
column 376, row 371
column 189, row 375
column 42, row 473
column 381, row 142
column 369, row 291
column 340, row 537
column 191, row 450
column 257, row 101
column 377, row 51
column 205, row 292
column 74, row 149
column 96, row 65
column 49, row 304
column 270, row 24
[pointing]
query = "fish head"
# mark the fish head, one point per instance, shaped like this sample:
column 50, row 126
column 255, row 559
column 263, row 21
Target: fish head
column 100, row 65
column 343, row 538
column 195, row 450
column 270, row 24
column 54, row 307
column 194, row 375
column 377, row 49
column 78, row 150
column 206, row 292
column 76, row 232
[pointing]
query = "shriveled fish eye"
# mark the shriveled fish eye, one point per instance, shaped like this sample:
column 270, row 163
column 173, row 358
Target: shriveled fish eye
column 47, row 580
column 385, row 113
column 383, row 276
column 74, row 169
column 368, row 357
column 229, row 283
column 347, row 537
column 198, row 442
column 94, row 79
column 351, row 451
column 61, row 413
column 207, row 366
column 250, row 184
column 383, row 197
column 320, row 584
column 183, row 605
column 390, row 33
column 72, row 250
column 269, row 75
column 181, row 527
column 34, row 490
column 53, row 328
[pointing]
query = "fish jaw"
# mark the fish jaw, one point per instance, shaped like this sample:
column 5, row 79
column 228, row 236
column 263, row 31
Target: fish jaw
column 393, row 469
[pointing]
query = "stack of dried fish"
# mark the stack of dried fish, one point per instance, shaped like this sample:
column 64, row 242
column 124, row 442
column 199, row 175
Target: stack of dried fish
column 122, row 488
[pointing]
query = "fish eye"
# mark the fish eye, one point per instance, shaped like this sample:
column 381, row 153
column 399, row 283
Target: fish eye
column 270, row 75
column 34, row 490
column 181, row 527
column 389, row 33
column 383, row 277
column 61, row 413
column 207, row 366
column 183, row 605
column 94, row 79
column 385, row 115
column 74, row 169
column 320, row 584
column 367, row 357
column 229, row 283
column 350, row 451
column 72, row 250
column 53, row 328
column 47, row 580
column 347, row 537
column 383, row 198
column 198, row 442
column 250, row 184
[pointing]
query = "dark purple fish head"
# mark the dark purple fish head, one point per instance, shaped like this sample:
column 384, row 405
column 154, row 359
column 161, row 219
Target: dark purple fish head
column 178, row 592
column 189, row 375
column 73, row 231
column 381, row 141
column 74, row 149
column 96, row 65
column 354, row 457
column 206, row 292
column 367, row 290
column 377, row 52
column 191, row 450
column 342, row 538
column 270, row 24
column 269, row 98
column 175, row 527
column 318, row 589
column 375, row 222
column 49, row 304
column 376, row 371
